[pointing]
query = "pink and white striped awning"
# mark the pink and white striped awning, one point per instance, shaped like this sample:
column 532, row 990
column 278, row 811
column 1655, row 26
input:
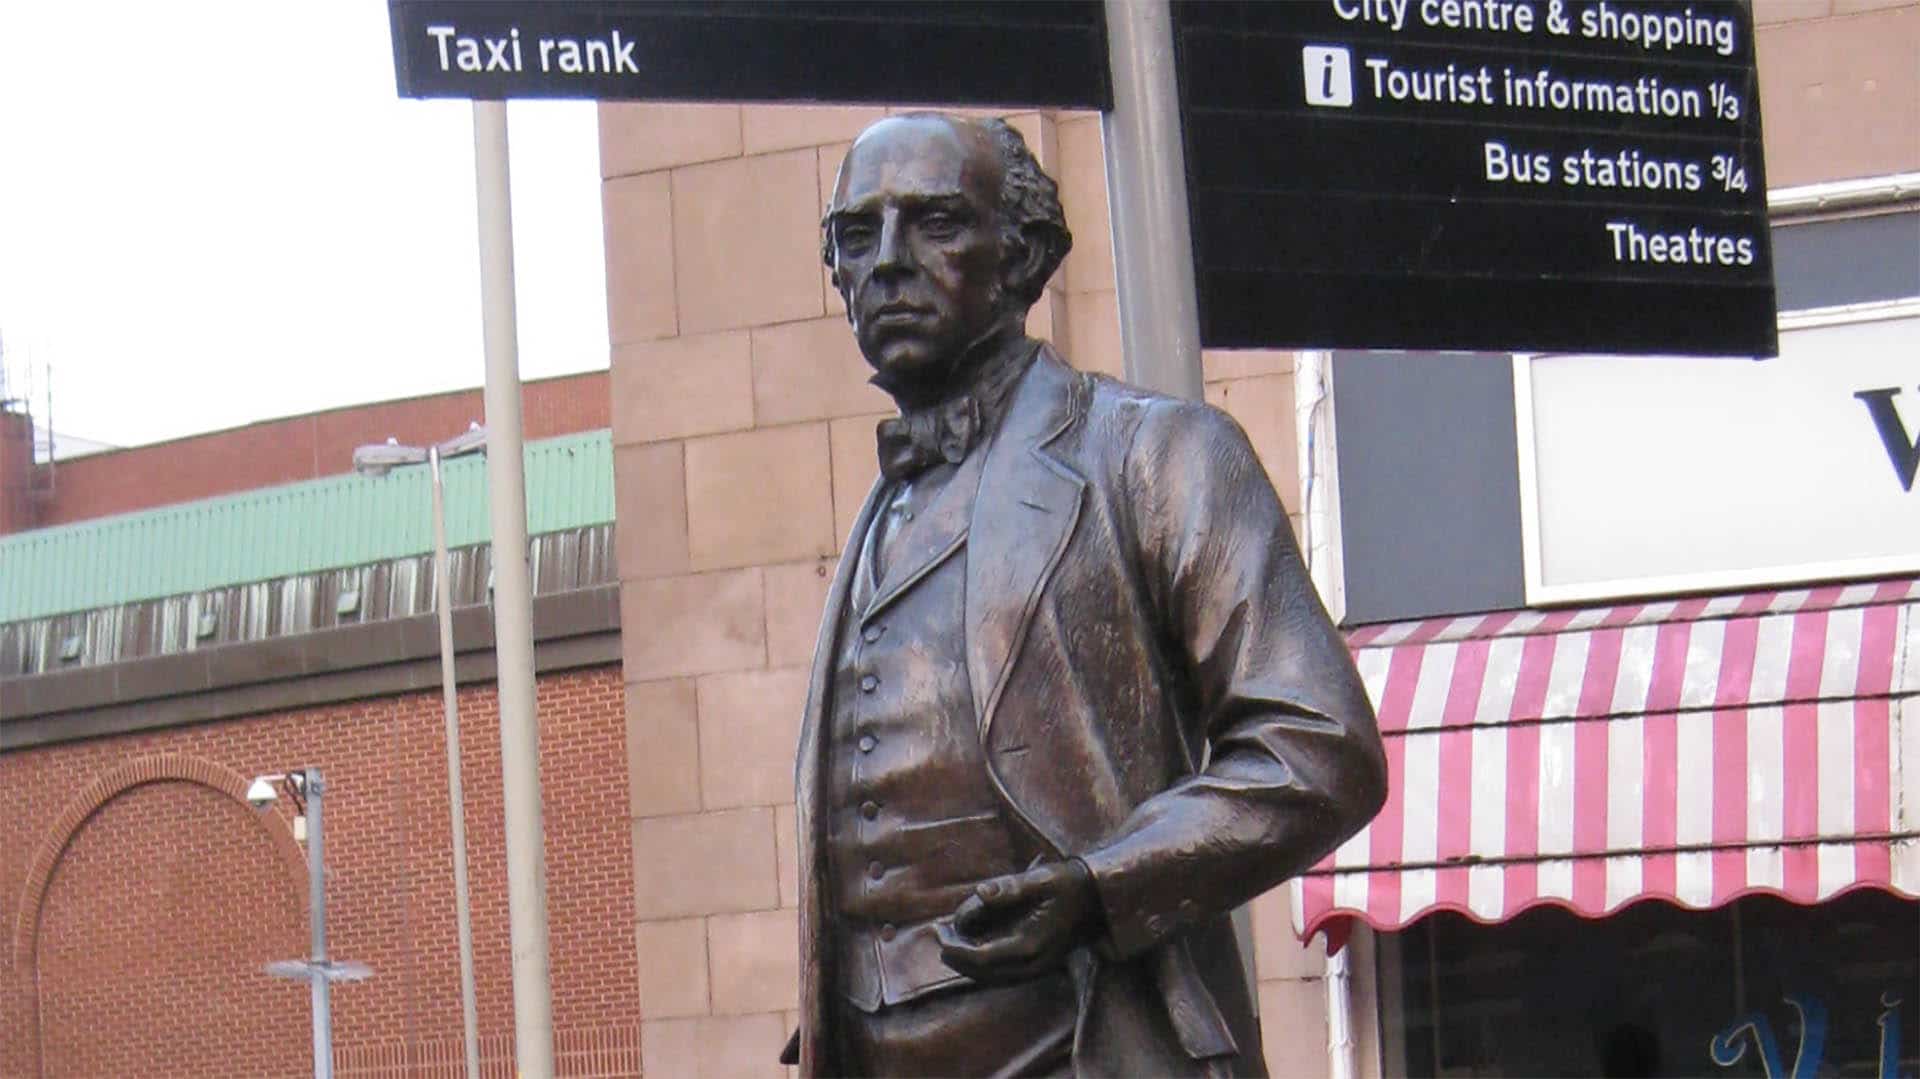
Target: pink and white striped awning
column 1691, row 750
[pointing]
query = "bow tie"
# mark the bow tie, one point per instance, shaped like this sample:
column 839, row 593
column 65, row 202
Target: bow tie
column 916, row 441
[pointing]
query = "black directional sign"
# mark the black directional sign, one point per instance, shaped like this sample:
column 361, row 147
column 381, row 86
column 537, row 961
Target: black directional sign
column 1535, row 175
column 1503, row 175
column 972, row 52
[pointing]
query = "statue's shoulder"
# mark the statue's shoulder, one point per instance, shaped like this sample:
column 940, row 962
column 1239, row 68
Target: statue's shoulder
column 1155, row 419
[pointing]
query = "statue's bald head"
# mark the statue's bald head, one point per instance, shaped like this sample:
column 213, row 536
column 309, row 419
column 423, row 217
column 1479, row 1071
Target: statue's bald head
column 1027, row 199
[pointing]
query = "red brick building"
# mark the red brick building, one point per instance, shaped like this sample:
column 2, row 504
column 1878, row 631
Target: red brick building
column 279, row 451
column 140, row 895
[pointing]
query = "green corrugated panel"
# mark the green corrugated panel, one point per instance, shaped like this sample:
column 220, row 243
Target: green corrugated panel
column 282, row 531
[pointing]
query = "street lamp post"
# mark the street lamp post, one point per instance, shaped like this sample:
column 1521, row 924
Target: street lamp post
column 378, row 460
column 307, row 787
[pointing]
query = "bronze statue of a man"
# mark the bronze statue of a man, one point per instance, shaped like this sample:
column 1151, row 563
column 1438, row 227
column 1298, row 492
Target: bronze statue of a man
column 1074, row 698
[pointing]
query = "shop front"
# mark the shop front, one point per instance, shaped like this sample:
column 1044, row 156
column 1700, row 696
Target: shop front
column 1664, row 838
column 1759, row 987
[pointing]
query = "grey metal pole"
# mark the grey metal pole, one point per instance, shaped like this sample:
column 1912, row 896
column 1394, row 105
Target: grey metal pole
column 456, row 793
column 1147, row 189
column 513, row 604
column 317, row 918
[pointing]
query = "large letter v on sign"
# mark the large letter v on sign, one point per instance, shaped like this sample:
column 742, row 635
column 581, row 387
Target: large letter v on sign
column 1902, row 450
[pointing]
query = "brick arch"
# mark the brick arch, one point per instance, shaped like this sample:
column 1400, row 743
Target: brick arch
column 104, row 788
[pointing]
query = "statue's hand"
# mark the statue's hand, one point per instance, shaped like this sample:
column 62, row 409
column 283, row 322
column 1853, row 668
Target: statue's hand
column 1018, row 927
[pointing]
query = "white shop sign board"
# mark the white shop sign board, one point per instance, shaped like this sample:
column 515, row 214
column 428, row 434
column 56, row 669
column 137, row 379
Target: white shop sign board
column 1647, row 476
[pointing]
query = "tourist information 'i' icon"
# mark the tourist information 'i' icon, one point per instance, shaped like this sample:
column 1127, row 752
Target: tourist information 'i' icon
column 1328, row 70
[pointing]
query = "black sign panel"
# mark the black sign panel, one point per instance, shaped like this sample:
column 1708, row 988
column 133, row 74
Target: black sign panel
column 1510, row 175
column 1035, row 52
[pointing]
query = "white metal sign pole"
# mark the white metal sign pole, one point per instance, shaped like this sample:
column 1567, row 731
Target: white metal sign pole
column 1147, row 189
column 513, row 604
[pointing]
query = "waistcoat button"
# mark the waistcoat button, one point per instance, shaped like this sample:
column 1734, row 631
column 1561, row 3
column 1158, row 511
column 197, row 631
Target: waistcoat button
column 867, row 742
column 872, row 633
column 867, row 682
column 876, row 870
column 869, row 810
column 887, row 931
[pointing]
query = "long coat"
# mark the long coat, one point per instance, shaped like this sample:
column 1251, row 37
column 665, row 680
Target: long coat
column 1159, row 692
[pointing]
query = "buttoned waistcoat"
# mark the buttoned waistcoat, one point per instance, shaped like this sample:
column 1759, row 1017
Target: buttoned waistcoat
column 1157, row 691
column 911, row 820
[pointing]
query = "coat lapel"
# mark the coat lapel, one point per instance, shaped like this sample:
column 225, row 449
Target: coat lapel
column 932, row 539
column 1024, row 515
column 807, row 761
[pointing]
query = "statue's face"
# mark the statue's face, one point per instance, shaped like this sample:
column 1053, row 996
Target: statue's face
column 917, row 245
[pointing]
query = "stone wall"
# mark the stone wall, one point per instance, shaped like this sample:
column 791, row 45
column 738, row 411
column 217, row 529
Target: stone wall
column 1839, row 88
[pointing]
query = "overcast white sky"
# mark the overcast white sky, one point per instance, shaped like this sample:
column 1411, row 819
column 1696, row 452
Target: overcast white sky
column 216, row 213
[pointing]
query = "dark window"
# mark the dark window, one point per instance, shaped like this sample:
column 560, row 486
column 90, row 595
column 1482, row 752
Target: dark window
column 1429, row 493
column 1659, row 991
column 1851, row 260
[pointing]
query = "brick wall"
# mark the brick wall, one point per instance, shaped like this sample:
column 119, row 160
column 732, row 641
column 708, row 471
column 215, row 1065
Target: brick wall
column 299, row 448
column 16, row 468
column 743, row 435
column 139, row 894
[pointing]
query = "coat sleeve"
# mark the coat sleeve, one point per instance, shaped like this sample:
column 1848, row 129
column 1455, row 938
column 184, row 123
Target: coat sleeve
column 1294, row 764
